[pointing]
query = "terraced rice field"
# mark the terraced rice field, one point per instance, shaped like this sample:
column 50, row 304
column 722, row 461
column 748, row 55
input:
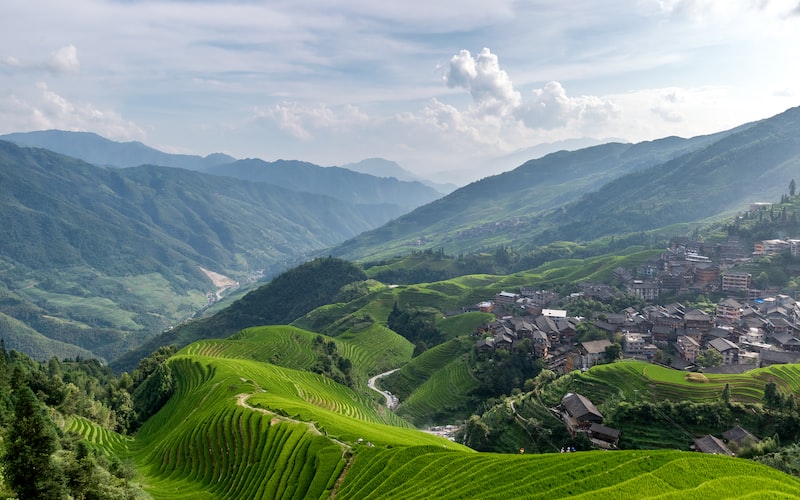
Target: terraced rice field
column 99, row 437
column 414, row 373
column 447, row 387
column 376, row 349
column 422, row 473
column 239, row 428
column 636, row 380
column 463, row 324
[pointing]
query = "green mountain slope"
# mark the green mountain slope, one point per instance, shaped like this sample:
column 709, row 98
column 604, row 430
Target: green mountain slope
column 287, row 297
column 343, row 184
column 98, row 150
column 754, row 164
column 495, row 210
column 117, row 253
column 340, row 183
column 239, row 428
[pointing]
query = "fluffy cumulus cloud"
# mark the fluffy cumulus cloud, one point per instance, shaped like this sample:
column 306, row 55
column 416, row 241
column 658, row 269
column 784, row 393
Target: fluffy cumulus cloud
column 42, row 108
column 489, row 86
column 550, row 107
column 493, row 95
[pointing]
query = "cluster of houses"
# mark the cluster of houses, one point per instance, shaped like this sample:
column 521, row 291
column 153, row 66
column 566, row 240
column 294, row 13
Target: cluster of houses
column 689, row 265
column 737, row 436
column 745, row 334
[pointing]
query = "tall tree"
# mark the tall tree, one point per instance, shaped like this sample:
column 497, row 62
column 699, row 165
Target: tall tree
column 29, row 443
column 792, row 187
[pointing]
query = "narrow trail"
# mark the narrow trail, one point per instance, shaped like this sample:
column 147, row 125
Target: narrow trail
column 241, row 400
column 341, row 477
column 391, row 403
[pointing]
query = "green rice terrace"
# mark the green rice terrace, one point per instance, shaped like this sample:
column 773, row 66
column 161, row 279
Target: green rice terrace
column 239, row 426
column 637, row 380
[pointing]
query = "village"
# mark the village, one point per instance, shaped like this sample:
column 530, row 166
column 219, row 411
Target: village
column 748, row 327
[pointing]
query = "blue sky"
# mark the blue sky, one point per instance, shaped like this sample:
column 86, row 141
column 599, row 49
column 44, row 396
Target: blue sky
column 448, row 89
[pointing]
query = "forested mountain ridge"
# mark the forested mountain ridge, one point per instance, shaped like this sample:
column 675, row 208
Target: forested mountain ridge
column 336, row 182
column 755, row 164
column 98, row 150
column 285, row 298
column 102, row 258
column 507, row 208
column 344, row 184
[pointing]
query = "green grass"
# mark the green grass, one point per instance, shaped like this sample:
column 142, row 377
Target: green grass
column 99, row 437
column 414, row 373
column 90, row 307
column 640, row 381
column 421, row 473
column 441, row 396
column 463, row 324
column 242, row 428
column 376, row 348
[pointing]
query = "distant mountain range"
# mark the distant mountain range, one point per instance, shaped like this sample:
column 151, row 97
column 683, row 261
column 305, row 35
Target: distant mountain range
column 340, row 183
column 380, row 167
column 386, row 182
column 97, row 150
column 96, row 260
column 606, row 190
column 518, row 207
column 101, row 258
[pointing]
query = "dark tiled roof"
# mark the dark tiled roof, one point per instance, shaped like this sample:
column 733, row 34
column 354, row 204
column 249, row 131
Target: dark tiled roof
column 581, row 408
column 711, row 444
column 738, row 435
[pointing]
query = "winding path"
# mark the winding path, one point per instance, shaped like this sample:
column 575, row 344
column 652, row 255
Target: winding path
column 391, row 399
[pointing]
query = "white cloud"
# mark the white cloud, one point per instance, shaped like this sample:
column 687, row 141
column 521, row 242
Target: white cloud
column 42, row 108
column 489, row 86
column 299, row 120
column 12, row 61
column 494, row 96
column 64, row 60
column 551, row 107
column 60, row 61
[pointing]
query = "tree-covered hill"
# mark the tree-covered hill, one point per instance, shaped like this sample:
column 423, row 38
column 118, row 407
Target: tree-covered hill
column 754, row 164
column 505, row 208
column 102, row 258
column 340, row 183
column 287, row 297
column 98, row 150
column 602, row 191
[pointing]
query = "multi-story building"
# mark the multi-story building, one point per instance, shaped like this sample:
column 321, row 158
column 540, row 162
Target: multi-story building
column 505, row 298
column 729, row 310
column 728, row 350
column 705, row 274
column 769, row 247
column 634, row 343
column 688, row 347
column 794, row 247
column 697, row 319
column 736, row 281
column 645, row 290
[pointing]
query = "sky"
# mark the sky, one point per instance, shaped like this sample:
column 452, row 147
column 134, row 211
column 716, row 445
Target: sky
column 452, row 90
